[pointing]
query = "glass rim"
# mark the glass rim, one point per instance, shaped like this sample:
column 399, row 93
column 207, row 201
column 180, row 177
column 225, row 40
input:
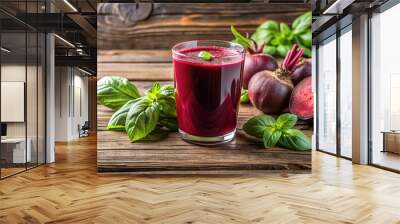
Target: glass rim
column 241, row 51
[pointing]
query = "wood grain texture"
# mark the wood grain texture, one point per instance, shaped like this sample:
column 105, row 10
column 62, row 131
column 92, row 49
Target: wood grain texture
column 131, row 26
column 135, row 64
column 70, row 191
column 172, row 155
column 115, row 153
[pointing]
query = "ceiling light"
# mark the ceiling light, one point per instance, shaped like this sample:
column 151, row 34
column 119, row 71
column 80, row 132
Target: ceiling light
column 338, row 6
column 84, row 71
column 65, row 41
column 5, row 50
column 70, row 5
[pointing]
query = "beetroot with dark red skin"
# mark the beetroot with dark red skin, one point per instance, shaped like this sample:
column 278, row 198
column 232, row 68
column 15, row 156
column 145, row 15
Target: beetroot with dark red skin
column 301, row 71
column 302, row 100
column 254, row 63
column 257, row 61
column 270, row 91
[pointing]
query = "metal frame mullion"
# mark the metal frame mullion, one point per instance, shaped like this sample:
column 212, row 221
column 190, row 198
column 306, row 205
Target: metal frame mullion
column 338, row 93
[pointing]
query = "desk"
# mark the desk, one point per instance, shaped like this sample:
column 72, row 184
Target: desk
column 13, row 150
column 391, row 141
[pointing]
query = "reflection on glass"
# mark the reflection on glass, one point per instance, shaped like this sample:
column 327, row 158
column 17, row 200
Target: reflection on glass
column 15, row 151
column 346, row 93
column 385, row 89
column 327, row 96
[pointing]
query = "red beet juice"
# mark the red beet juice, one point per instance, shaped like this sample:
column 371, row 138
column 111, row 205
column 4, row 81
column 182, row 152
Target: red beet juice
column 208, row 91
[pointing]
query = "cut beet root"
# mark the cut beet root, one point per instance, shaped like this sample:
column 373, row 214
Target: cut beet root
column 302, row 100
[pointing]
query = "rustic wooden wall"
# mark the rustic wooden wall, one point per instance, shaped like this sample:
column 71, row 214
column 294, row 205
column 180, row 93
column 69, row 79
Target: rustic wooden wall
column 161, row 25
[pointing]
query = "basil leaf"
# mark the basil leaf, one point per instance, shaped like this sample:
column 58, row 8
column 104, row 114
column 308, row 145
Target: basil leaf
column 286, row 121
column 240, row 39
column 307, row 53
column 114, row 92
column 306, row 18
column 244, row 96
column 271, row 137
column 269, row 25
column 285, row 29
column 205, row 55
column 301, row 29
column 118, row 119
column 142, row 119
column 167, row 91
column 154, row 91
column 256, row 125
column 156, row 135
column 305, row 39
column 295, row 140
column 169, row 122
column 167, row 106
column 282, row 50
column 270, row 50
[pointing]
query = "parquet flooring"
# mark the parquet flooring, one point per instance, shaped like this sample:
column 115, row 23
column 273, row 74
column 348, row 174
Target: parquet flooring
column 70, row 191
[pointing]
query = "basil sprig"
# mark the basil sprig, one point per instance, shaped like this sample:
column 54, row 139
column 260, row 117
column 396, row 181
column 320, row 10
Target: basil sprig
column 149, row 117
column 280, row 37
column 278, row 132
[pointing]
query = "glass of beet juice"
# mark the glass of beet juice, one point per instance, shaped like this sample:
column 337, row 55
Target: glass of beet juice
column 208, row 82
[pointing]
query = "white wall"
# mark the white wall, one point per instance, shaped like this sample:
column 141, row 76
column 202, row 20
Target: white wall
column 70, row 109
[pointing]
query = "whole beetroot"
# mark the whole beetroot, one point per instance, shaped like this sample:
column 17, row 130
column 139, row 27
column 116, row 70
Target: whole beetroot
column 254, row 63
column 255, row 60
column 270, row 91
column 301, row 71
column 302, row 100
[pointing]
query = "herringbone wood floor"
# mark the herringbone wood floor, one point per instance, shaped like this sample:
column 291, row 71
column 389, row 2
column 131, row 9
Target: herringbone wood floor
column 70, row 191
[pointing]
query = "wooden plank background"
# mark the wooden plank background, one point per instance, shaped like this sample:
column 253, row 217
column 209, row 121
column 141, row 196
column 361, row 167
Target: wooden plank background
column 161, row 25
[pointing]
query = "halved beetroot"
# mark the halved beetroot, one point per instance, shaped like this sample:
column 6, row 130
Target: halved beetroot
column 302, row 100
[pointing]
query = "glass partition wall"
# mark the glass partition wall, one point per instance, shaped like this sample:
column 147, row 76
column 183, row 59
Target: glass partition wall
column 385, row 89
column 22, row 98
column 327, row 95
column 334, row 94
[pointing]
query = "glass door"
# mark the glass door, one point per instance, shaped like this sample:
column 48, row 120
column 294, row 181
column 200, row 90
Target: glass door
column 326, row 100
column 385, row 90
column 346, row 95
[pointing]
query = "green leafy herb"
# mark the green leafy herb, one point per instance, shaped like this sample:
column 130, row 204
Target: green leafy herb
column 147, row 117
column 286, row 121
column 205, row 55
column 279, row 37
column 142, row 119
column 169, row 122
column 295, row 139
column 277, row 132
column 256, row 125
column 118, row 119
column 244, row 96
column 114, row 92
column 271, row 137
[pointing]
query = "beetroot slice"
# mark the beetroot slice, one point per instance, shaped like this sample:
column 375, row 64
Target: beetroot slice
column 302, row 100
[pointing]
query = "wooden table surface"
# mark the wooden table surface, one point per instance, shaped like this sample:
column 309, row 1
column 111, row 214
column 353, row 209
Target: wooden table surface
column 115, row 153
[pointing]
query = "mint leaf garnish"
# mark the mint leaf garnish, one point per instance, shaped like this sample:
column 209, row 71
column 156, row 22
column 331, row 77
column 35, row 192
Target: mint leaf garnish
column 205, row 55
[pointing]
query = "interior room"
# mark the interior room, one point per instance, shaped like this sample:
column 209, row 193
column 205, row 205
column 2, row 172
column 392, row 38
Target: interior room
column 43, row 76
column 54, row 129
column 337, row 43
